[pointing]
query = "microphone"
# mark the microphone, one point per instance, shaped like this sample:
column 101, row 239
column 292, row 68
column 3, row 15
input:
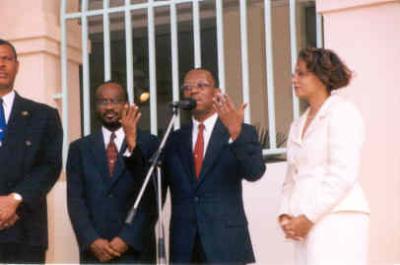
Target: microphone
column 185, row 104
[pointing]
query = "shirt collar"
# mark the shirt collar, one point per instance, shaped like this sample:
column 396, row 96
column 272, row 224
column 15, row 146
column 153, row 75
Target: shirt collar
column 209, row 123
column 8, row 99
column 119, row 135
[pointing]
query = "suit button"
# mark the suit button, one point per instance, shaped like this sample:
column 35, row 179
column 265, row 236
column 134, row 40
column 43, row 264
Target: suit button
column 196, row 199
column 110, row 195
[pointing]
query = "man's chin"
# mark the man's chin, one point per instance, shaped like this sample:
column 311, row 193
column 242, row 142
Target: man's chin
column 5, row 86
column 112, row 126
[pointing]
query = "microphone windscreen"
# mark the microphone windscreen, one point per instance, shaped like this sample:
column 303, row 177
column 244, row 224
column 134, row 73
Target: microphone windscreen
column 187, row 104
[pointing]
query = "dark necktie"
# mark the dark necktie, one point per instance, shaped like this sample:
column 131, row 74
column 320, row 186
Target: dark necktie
column 3, row 124
column 199, row 150
column 112, row 154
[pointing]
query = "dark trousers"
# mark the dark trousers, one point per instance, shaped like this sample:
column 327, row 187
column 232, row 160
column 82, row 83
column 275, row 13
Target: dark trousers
column 21, row 253
column 198, row 256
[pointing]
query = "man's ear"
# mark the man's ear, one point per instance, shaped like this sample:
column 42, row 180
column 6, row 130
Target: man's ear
column 16, row 72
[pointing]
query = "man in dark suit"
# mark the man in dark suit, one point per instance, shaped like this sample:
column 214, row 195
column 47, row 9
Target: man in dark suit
column 205, row 163
column 105, row 171
column 30, row 163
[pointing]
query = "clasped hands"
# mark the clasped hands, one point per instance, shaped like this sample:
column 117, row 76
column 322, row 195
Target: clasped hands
column 8, row 209
column 295, row 228
column 230, row 116
column 106, row 250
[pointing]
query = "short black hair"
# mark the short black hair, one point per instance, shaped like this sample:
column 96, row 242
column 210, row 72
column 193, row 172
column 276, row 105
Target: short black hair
column 4, row 42
column 124, row 92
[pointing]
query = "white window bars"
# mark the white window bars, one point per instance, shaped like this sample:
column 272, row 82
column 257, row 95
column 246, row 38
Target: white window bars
column 125, row 10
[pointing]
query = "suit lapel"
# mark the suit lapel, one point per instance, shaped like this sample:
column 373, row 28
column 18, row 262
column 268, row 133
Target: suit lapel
column 298, row 126
column 17, row 123
column 321, row 115
column 120, row 165
column 99, row 153
column 185, row 150
column 219, row 138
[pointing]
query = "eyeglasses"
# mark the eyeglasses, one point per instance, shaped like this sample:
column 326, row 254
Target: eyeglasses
column 200, row 86
column 106, row 101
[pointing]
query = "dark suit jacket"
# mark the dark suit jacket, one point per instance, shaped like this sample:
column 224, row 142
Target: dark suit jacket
column 30, row 163
column 211, row 207
column 98, row 204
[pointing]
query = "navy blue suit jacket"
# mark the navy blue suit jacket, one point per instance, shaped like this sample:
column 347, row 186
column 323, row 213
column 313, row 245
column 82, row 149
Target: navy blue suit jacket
column 212, row 206
column 30, row 163
column 98, row 204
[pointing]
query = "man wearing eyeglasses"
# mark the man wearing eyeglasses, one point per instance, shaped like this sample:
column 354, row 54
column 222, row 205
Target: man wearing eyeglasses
column 105, row 171
column 30, row 163
column 205, row 163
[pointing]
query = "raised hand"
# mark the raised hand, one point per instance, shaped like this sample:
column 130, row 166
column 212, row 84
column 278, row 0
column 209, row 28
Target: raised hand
column 129, row 120
column 230, row 116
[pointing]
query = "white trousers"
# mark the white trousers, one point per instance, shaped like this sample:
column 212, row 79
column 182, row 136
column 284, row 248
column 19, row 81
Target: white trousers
column 338, row 238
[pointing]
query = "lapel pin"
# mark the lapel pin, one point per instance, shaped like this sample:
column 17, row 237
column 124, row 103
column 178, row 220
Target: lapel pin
column 28, row 143
column 24, row 113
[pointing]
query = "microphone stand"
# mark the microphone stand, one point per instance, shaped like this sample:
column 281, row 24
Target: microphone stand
column 156, row 163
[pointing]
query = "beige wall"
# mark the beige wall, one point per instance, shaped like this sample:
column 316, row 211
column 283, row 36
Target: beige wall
column 257, row 62
column 367, row 35
column 364, row 32
column 33, row 27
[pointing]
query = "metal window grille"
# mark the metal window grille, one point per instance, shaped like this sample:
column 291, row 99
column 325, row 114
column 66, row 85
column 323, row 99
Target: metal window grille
column 106, row 9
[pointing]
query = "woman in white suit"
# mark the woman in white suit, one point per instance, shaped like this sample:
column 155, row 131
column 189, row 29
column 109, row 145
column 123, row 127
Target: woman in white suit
column 323, row 208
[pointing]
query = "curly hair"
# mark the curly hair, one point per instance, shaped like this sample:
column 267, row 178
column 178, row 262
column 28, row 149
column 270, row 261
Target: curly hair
column 327, row 66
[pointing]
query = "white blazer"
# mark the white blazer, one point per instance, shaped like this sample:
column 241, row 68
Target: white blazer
column 323, row 167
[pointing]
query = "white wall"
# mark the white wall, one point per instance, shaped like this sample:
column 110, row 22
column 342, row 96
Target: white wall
column 262, row 199
column 366, row 34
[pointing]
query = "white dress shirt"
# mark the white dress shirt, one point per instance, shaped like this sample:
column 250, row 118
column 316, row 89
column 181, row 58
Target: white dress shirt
column 209, row 125
column 118, row 140
column 8, row 101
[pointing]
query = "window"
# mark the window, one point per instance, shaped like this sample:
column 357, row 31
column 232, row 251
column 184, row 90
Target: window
column 148, row 46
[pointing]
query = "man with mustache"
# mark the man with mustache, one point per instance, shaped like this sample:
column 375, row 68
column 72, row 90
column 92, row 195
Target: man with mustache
column 30, row 163
column 105, row 171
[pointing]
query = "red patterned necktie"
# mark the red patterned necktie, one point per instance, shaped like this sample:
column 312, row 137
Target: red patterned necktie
column 199, row 150
column 112, row 154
